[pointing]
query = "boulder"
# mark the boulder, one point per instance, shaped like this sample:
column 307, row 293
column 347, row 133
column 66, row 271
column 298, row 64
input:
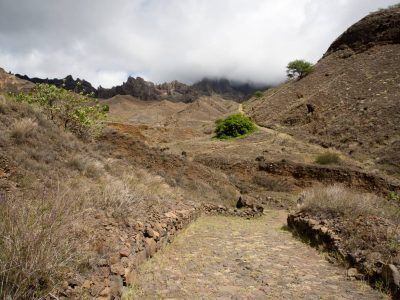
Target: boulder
column 249, row 203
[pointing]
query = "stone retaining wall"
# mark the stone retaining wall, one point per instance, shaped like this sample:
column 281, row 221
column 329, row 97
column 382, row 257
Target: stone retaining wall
column 319, row 235
column 113, row 274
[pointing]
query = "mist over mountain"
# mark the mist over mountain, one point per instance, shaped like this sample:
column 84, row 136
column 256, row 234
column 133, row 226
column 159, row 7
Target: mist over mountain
column 162, row 41
column 146, row 90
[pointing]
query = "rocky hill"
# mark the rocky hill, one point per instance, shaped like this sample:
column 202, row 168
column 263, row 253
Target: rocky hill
column 145, row 90
column 351, row 99
column 69, row 83
column 10, row 83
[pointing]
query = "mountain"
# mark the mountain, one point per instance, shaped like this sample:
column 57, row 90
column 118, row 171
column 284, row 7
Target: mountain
column 228, row 89
column 69, row 83
column 145, row 90
column 351, row 100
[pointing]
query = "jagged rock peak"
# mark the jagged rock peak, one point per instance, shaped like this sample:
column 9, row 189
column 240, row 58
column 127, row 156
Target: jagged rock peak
column 68, row 83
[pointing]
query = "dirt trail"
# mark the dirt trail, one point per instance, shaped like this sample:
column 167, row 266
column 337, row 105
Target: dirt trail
column 231, row 258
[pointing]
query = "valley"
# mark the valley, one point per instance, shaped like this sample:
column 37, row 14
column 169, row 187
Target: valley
column 135, row 197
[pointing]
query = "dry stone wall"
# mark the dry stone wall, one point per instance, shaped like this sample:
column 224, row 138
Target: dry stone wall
column 113, row 274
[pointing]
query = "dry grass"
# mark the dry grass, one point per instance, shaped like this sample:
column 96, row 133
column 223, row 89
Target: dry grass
column 59, row 184
column 337, row 199
column 327, row 158
column 3, row 105
column 37, row 241
column 364, row 221
column 23, row 129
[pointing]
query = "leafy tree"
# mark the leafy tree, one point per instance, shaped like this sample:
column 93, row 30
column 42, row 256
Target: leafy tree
column 234, row 126
column 299, row 68
column 76, row 112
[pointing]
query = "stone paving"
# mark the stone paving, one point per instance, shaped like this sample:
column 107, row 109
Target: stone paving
column 232, row 258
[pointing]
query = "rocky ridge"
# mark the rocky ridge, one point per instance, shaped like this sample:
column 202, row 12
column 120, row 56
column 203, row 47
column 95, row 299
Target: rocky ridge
column 146, row 90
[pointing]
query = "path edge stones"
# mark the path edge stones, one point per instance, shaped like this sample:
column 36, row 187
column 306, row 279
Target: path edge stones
column 318, row 235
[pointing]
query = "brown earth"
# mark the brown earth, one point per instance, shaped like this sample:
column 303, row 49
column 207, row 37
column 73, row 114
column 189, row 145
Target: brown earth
column 354, row 90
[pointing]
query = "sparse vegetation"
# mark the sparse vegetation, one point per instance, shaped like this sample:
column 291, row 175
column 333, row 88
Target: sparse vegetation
column 76, row 112
column 258, row 94
column 337, row 199
column 47, row 224
column 299, row 68
column 394, row 197
column 327, row 158
column 365, row 221
column 23, row 129
column 236, row 125
column 37, row 241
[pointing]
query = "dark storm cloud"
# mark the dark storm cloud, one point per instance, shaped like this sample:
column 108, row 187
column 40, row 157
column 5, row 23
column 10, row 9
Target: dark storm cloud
column 105, row 41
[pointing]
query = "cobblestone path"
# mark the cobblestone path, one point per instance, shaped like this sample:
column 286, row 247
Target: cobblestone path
column 232, row 258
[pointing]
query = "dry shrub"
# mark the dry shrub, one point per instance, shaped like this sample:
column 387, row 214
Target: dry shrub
column 3, row 105
column 87, row 166
column 337, row 199
column 23, row 129
column 328, row 158
column 37, row 242
column 272, row 184
column 134, row 191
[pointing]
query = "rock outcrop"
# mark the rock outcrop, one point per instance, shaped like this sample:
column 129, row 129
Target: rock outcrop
column 379, row 28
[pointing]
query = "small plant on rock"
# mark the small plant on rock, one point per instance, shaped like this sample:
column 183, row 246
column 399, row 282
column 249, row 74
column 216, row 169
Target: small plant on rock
column 236, row 125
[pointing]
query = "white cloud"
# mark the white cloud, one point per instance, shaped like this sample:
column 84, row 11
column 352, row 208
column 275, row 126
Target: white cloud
column 104, row 41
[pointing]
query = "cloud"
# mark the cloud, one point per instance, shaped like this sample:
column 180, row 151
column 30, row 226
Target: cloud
column 105, row 41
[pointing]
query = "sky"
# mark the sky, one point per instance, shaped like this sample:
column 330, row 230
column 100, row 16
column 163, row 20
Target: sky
column 106, row 41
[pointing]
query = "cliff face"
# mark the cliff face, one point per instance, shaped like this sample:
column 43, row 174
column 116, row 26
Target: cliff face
column 354, row 91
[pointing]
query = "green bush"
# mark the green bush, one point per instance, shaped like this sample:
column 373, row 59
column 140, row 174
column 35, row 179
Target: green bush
column 393, row 196
column 78, row 113
column 234, row 126
column 299, row 68
column 258, row 94
column 327, row 158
